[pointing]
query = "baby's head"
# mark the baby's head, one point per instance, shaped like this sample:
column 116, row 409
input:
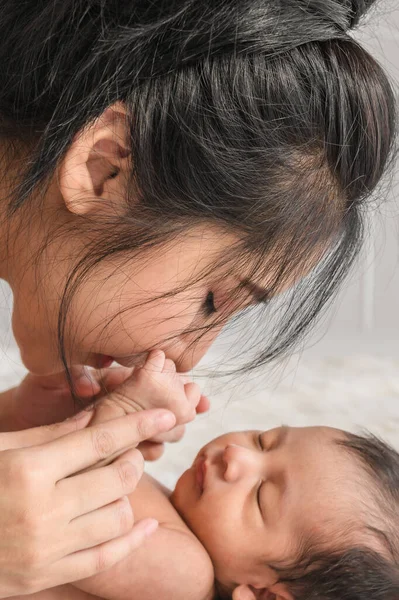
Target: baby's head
column 288, row 513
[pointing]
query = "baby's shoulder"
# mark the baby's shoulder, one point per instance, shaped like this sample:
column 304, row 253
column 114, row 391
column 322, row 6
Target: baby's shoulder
column 186, row 567
column 171, row 564
column 191, row 565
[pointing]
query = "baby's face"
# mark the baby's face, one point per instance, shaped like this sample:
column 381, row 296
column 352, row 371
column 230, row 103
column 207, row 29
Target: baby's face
column 251, row 497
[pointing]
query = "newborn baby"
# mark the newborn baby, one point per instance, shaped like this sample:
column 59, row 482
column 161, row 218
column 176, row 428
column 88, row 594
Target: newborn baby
column 287, row 513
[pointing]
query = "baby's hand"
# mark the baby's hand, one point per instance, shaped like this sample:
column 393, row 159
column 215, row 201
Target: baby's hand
column 155, row 385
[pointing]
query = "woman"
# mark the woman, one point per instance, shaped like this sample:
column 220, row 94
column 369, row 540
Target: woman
column 165, row 166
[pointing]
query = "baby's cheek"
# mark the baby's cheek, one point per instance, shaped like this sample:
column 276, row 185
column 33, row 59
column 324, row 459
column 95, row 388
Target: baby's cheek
column 180, row 497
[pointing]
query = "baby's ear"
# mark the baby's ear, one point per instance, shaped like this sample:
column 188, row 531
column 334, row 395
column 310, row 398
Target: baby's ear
column 277, row 591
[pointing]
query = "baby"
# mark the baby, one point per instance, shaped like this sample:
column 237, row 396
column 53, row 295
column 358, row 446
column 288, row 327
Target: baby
column 287, row 513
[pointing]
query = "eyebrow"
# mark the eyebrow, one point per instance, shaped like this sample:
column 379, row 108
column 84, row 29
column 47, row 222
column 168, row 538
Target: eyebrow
column 260, row 294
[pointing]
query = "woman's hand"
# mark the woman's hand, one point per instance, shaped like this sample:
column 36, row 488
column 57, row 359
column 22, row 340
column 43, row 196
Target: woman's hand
column 58, row 524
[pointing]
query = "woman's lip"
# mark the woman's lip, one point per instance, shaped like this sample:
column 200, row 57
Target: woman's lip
column 200, row 473
column 102, row 361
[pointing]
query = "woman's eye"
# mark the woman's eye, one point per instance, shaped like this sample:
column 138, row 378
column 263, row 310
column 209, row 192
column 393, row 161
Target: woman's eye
column 209, row 304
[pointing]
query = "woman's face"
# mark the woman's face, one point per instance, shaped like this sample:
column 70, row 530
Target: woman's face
column 122, row 308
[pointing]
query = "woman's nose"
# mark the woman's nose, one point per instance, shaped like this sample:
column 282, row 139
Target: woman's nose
column 239, row 462
column 196, row 347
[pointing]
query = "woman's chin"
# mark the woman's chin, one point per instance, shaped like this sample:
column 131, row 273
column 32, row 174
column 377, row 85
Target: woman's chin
column 40, row 365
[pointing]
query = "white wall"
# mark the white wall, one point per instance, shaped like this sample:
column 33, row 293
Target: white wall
column 365, row 316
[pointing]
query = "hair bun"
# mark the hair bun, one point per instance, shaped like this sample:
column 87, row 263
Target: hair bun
column 358, row 9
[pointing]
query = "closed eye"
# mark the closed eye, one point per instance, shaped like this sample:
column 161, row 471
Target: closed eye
column 209, row 304
column 258, row 497
column 260, row 442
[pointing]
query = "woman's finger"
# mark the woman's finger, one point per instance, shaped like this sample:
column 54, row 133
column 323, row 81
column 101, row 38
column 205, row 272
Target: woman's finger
column 86, row 563
column 94, row 444
column 44, row 434
column 106, row 485
column 106, row 523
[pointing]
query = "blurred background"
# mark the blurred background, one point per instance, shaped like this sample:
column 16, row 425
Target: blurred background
column 347, row 373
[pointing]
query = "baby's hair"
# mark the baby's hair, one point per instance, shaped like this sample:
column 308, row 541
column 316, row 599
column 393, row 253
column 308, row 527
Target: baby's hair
column 365, row 570
column 265, row 118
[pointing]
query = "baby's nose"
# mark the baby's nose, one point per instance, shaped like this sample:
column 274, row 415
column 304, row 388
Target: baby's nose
column 238, row 462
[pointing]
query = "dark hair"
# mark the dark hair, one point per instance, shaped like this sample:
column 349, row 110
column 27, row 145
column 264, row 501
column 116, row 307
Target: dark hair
column 363, row 571
column 264, row 117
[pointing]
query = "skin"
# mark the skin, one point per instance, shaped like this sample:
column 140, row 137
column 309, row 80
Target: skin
column 258, row 495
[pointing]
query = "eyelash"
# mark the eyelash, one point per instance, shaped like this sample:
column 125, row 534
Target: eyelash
column 261, row 483
column 209, row 304
column 258, row 495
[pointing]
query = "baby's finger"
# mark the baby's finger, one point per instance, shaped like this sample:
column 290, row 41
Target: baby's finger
column 155, row 361
column 203, row 405
column 114, row 377
column 169, row 366
column 91, row 382
column 193, row 395
column 151, row 450
column 172, row 436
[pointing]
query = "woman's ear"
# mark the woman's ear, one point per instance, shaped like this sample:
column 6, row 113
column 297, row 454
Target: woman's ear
column 97, row 155
column 277, row 591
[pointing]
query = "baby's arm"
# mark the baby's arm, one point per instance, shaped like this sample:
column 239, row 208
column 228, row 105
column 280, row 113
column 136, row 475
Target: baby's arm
column 171, row 565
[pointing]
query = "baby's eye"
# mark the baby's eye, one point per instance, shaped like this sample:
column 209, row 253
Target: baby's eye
column 260, row 442
column 209, row 304
column 258, row 497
